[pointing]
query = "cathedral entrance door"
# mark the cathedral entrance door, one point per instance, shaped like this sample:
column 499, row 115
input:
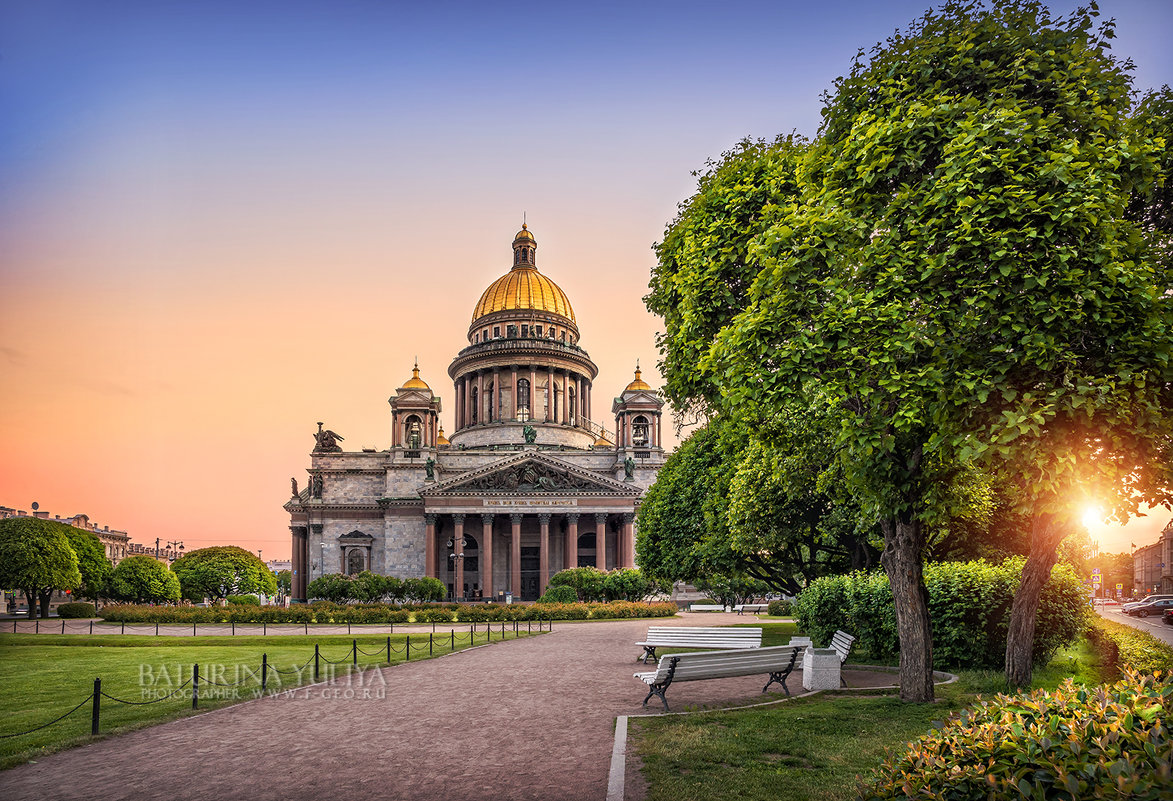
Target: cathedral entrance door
column 531, row 572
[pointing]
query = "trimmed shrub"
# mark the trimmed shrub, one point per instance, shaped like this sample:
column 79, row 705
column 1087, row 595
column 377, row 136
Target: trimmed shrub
column 244, row 600
column 561, row 594
column 1126, row 648
column 1074, row 742
column 75, row 609
column 969, row 609
column 778, row 608
column 587, row 582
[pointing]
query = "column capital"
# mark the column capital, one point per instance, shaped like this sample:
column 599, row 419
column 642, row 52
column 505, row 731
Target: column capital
column 544, row 518
column 572, row 517
column 430, row 518
column 487, row 518
column 628, row 517
column 458, row 519
column 516, row 517
column 601, row 519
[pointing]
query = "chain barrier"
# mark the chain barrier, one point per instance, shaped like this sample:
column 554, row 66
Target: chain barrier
column 308, row 662
column 50, row 723
column 147, row 703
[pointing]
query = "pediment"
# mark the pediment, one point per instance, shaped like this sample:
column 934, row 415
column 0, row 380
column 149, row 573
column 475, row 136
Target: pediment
column 531, row 474
column 356, row 536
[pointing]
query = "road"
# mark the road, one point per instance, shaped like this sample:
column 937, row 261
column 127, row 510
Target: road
column 1152, row 625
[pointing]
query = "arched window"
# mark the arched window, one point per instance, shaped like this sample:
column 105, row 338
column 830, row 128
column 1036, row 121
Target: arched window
column 355, row 562
column 414, row 431
column 523, row 399
column 474, row 404
column 639, row 431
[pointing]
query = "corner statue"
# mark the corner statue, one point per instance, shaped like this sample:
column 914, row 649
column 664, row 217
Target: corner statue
column 430, row 468
column 293, row 484
column 629, row 469
column 327, row 441
column 531, row 434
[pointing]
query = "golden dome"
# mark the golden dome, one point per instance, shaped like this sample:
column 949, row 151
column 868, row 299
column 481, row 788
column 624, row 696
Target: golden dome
column 524, row 234
column 638, row 383
column 415, row 382
column 523, row 288
column 603, row 442
column 441, row 439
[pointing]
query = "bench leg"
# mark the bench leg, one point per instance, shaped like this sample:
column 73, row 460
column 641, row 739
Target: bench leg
column 649, row 650
column 659, row 690
column 780, row 677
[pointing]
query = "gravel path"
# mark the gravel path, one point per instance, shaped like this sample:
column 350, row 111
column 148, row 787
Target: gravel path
column 524, row 719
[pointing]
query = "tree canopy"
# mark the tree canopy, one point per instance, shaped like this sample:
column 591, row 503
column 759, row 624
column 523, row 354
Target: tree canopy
column 953, row 278
column 144, row 579
column 92, row 563
column 223, row 570
column 36, row 557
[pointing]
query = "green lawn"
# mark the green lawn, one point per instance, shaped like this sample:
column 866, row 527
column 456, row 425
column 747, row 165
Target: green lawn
column 42, row 677
column 809, row 748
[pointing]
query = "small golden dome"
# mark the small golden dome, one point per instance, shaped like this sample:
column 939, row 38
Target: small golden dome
column 603, row 442
column 524, row 234
column 415, row 382
column 441, row 439
column 638, row 383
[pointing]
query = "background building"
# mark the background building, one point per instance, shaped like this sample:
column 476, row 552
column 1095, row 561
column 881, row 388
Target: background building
column 1152, row 565
column 527, row 484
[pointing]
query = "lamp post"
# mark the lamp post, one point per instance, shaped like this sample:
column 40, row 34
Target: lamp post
column 457, row 559
column 323, row 562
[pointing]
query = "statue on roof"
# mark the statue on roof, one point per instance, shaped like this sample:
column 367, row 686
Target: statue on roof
column 531, row 434
column 293, row 483
column 326, row 441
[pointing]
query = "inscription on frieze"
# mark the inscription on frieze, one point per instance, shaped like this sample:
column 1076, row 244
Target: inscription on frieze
column 542, row 502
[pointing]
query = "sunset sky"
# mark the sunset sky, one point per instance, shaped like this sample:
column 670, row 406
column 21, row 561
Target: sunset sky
column 221, row 222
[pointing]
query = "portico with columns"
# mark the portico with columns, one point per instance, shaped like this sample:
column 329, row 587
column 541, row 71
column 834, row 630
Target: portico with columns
column 527, row 484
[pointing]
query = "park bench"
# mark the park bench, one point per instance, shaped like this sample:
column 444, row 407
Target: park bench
column 777, row 661
column 698, row 637
column 841, row 641
column 742, row 608
column 706, row 608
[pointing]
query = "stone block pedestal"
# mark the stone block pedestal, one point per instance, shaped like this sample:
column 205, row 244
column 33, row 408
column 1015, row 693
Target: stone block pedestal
column 820, row 669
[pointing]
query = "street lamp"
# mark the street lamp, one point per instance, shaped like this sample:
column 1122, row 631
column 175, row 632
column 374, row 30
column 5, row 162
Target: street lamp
column 458, row 574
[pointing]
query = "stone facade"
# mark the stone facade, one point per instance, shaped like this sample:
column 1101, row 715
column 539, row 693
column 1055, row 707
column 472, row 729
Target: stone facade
column 527, row 485
column 1152, row 565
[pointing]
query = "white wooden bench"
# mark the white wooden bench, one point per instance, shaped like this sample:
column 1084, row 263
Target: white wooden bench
column 706, row 608
column 776, row 661
column 742, row 608
column 841, row 641
column 698, row 637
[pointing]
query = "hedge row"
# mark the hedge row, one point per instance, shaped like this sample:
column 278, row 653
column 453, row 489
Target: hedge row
column 75, row 609
column 1074, row 742
column 969, row 609
column 1126, row 648
column 325, row 612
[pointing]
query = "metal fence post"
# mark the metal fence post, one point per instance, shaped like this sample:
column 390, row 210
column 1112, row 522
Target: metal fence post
column 264, row 671
column 62, row 625
column 430, row 640
column 38, row 628
column 97, row 706
column 315, row 661
column 388, row 649
column 195, row 685
column 233, row 627
column 348, row 627
column 354, row 645
column 407, row 650
column 264, row 628
column 91, row 626
column 156, row 628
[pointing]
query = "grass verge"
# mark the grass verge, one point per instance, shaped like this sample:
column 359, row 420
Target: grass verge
column 43, row 677
column 809, row 749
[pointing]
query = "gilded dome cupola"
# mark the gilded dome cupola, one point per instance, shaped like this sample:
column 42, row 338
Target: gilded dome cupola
column 523, row 289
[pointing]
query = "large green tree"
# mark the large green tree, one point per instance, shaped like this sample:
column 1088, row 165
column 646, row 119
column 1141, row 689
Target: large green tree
column 223, row 570
column 92, row 563
column 144, row 579
column 35, row 557
column 953, row 278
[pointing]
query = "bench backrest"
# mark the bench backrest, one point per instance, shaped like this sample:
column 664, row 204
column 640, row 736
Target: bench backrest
column 716, row 664
column 842, row 642
column 702, row 637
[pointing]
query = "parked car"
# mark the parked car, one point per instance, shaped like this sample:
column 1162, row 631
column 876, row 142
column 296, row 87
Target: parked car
column 1168, row 617
column 1151, row 607
column 1128, row 607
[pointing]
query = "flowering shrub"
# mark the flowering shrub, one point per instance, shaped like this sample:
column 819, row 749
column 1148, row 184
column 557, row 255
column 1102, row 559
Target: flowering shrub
column 969, row 607
column 1075, row 742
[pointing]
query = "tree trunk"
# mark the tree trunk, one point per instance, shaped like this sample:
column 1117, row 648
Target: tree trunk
column 903, row 543
column 1045, row 535
column 30, row 595
column 46, row 597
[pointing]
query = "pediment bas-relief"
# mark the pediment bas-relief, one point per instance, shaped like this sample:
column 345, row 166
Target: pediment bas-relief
column 530, row 478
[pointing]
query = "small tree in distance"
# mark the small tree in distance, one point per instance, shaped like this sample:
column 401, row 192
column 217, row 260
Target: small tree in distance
column 35, row 557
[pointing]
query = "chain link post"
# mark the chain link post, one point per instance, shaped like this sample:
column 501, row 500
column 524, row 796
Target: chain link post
column 316, row 669
column 264, row 671
column 195, row 686
column 97, row 707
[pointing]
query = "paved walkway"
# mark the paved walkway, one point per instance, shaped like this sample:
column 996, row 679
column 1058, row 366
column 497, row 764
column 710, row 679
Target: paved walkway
column 524, row 719
column 1152, row 625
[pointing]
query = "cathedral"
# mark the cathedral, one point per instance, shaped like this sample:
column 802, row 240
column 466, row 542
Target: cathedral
column 526, row 484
